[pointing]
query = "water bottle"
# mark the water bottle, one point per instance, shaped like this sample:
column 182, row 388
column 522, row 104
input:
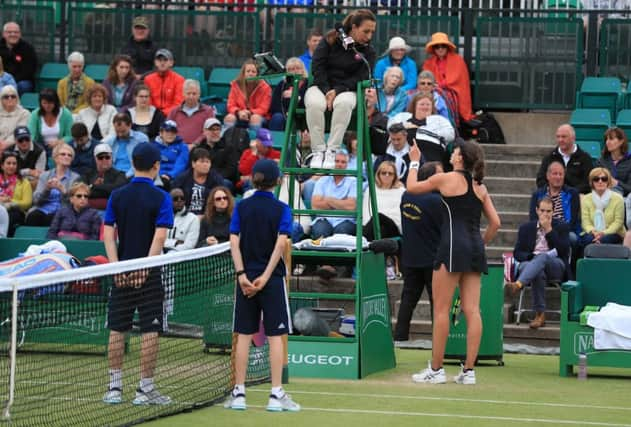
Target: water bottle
column 582, row 366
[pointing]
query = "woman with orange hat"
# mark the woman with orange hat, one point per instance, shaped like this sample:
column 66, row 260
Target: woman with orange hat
column 452, row 75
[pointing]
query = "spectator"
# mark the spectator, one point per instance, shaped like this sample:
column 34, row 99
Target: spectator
column 120, row 83
column 421, row 221
column 173, row 152
column 197, row 181
column 77, row 221
column 224, row 157
column 431, row 132
column 215, row 225
column 336, row 73
column 315, row 35
column 350, row 144
column 83, row 161
column 104, row 178
column 123, row 143
column 192, row 114
column 335, row 192
column 12, row 115
column 543, row 250
column 16, row 193
column 388, row 192
column 73, row 89
column 140, row 48
column 397, row 56
column 392, row 97
column 52, row 188
column 6, row 79
column 602, row 211
column 166, row 85
column 262, row 149
column 617, row 159
column 236, row 137
column 565, row 200
column 426, row 83
column 283, row 90
column 50, row 123
column 185, row 229
column 577, row 162
column 398, row 150
column 19, row 57
column 31, row 157
column 145, row 117
column 452, row 75
column 248, row 98
column 98, row 115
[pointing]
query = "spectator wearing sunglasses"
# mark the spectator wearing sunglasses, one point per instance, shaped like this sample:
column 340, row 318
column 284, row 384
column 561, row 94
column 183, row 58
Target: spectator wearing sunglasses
column 388, row 191
column 185, row 229
column 103, row 179
column 12, row 115
column 77, row 221
column 215, row 224
column 602, row 210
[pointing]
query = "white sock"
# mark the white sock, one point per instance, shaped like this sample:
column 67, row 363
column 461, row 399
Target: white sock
column 146, row 384
column 238, row 389
column 278, row 392
column 116, row 379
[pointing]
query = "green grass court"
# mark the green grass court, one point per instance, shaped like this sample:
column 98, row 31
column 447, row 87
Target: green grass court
column 526, row 391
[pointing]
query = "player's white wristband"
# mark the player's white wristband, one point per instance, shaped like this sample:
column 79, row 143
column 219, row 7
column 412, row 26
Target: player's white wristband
column 414, row 165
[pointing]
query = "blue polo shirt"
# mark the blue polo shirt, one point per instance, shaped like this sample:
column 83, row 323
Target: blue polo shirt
column 258, row 220
column 137, row 209
column 346, row 189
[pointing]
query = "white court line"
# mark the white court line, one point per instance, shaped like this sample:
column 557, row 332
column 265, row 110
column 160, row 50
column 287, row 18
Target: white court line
column 460, row 416
column 457, row 399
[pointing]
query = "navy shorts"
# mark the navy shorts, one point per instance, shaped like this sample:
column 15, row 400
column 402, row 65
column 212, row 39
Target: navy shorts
column 148, row 300
column 272, row 301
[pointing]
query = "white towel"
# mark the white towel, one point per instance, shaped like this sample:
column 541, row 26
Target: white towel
column 612, row 327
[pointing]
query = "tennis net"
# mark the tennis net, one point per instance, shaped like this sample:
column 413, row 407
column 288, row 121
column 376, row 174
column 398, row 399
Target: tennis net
column 54, row 368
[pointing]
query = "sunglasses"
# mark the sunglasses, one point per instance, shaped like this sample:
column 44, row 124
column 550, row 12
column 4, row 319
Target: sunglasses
column 178, row 198
column 65, row 154
column 81, row 196
column 600, row 178
column 106, row 157
column 24, row 140
column 386, row 173
column 426, row 84
column 441, row 46
column 9, row 97
column 220, row 198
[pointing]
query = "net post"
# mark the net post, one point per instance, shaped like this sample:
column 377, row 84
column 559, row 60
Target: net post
column 6, row 413
column 288, row 269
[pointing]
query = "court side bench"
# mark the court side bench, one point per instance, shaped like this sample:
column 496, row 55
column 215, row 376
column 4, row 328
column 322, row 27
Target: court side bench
column 598, row 282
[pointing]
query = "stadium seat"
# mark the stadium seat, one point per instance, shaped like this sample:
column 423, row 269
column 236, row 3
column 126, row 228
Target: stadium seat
column 30, row 100
column 626, row 100
column 97, row 71
column 219, row 81
column 50, row 74
column 195, row 73
column 590, row 124
column 593, row 148
column 623, row 121
column 31, row 232
column 600, row 92
column 278, row 137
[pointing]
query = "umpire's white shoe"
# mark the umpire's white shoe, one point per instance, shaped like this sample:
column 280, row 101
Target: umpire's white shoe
column 279, row 404
column 430, row 376
column 113, row 396
column 235, row 402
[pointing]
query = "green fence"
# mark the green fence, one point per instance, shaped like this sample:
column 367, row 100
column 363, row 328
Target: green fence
column 615, row 48
column 291, row 31
column 37, row 24
column 528, row 63
column 196, row 38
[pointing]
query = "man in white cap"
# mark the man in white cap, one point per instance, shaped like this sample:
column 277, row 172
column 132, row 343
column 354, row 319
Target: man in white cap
column 397, row 54
column 224, row 157
column 104, row 178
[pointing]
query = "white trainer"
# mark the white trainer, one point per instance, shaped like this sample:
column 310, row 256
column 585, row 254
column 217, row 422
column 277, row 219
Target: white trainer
column 430, row 376
column 113, row 396
column 329, row 160
column 235, row 402
column 284, row 403
column 466, row 378
column 153, row 397
column 317, row 157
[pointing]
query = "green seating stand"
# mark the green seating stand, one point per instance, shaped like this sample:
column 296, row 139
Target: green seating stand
column 194, row 73
column 219, row 81
column 50, row 74
column 600, row 92
column 599, row 281
column 98, row 72
column 31, row 232
column 593, row 148
column 29, row 100
column 623, row 121
column 590, row 124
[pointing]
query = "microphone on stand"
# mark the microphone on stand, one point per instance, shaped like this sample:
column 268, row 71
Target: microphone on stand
column 347, row 41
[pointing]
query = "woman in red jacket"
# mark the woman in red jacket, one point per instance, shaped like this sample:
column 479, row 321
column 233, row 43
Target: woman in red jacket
column 249, row 97
column 452, row 75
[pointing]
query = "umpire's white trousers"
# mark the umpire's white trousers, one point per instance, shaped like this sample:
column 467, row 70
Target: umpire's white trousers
column 315, row 106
